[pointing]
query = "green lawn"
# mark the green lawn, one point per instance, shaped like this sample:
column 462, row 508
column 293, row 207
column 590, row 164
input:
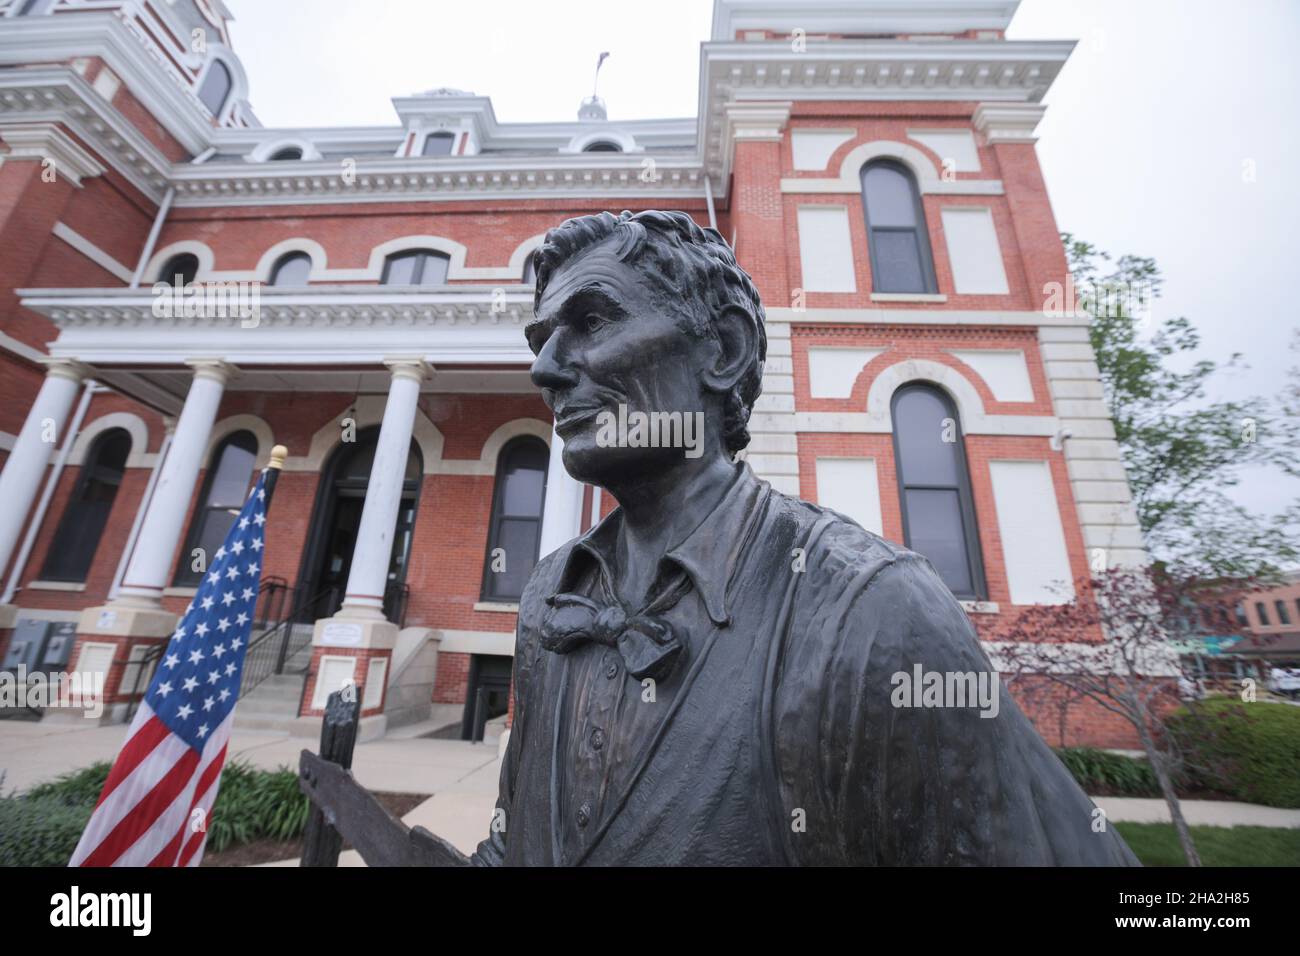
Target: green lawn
column 1156, row 845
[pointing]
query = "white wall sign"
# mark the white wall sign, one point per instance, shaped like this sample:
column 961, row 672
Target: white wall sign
column 341, row 634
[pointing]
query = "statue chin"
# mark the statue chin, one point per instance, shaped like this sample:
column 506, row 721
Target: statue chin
column 611, row 467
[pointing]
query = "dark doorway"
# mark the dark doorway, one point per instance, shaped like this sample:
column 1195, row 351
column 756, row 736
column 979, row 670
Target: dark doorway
column 488, row 695
column 336, row 521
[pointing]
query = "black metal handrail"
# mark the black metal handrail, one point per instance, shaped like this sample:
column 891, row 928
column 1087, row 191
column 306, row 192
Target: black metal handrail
column 274, row 647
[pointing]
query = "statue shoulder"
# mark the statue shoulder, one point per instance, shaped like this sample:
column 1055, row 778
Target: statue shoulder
column 836, row 546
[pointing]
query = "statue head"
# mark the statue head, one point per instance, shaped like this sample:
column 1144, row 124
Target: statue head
column 650, row 344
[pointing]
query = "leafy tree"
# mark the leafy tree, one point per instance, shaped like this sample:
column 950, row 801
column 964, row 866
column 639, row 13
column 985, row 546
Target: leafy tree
column 1182, row 450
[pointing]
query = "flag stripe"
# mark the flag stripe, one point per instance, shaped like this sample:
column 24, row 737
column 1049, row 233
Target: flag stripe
column 143, row 814
column 140, row 742
column 170, row 854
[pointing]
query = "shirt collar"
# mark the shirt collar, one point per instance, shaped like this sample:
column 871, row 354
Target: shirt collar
column 708, row 555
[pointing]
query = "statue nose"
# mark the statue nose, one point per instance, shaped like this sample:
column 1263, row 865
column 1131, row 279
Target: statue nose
column 549, row 370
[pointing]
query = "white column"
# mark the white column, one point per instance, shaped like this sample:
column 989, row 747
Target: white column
column 26, row 464
column 562, row 513
column 151, row 561
column 368, row 576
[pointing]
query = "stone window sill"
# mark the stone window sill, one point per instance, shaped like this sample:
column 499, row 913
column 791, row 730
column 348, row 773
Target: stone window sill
column 981, row 607
column 180, row 592
column 56, row 585
column 907, row 297
column 497, row 607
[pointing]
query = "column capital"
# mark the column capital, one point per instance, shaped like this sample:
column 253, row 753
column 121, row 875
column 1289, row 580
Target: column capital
column 70, row 369
column 414, row 368
column 213, row 369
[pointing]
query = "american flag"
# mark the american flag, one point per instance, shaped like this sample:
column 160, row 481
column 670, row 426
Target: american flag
column 159, row 794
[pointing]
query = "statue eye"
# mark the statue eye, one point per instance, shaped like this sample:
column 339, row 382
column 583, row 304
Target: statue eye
column 591, row 322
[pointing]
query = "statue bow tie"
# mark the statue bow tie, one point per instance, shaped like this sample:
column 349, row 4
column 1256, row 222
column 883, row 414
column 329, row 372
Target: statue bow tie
column 647, row 643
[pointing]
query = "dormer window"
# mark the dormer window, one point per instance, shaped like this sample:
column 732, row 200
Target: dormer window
column 438, row 144
column 288, row 153
column 216, row 87
column 415, row 267
column 602, row 146
column 182, row 268
column 292, row 269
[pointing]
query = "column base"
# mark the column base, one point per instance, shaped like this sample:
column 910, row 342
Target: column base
column 113, row 640
column 119, row 619
column 355, row 628
column 354, row 647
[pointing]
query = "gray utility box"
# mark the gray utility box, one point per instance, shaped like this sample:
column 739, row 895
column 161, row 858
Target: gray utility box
column 41, row 645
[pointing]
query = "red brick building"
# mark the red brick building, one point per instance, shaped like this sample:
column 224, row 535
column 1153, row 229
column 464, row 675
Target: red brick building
column 871, row 162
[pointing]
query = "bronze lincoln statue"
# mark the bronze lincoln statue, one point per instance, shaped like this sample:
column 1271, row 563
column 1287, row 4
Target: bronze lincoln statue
column 720, row 674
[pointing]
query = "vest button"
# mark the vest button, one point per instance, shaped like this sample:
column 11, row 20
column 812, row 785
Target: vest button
column 597, row 739
column 584, row 814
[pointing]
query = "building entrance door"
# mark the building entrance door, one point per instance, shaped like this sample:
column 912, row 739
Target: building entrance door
column 335, row 525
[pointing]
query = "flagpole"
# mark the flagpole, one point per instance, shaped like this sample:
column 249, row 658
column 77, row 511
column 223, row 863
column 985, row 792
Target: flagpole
column 272, row 471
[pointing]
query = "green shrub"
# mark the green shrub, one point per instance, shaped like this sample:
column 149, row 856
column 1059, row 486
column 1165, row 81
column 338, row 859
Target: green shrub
column 1249, row 751
column 1098, row 770
column 255, row 804
column 40, row 831
column 77, row 788
column 42, row 826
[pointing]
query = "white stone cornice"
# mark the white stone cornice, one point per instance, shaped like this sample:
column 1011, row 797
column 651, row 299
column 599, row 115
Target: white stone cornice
column 586, row 175
column 1009, row 122
column 338, row 324
column 46, row 142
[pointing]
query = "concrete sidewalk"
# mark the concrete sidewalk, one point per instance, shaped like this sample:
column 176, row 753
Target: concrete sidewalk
column 1210, row 813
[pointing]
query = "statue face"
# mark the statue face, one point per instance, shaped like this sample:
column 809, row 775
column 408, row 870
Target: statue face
column 607, row 337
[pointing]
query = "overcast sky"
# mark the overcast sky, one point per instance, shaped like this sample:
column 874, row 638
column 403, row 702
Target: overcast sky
column 1162, row 108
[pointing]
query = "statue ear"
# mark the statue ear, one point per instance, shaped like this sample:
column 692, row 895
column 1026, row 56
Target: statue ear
column 737, row 349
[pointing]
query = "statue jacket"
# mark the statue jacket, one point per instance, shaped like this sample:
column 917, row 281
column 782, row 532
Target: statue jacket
column 784, row 734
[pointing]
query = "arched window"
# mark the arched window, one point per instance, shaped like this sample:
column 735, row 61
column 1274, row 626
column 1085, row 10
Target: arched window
column 415, row 267
column 82, row 525
column 216, row 87
column 438, row 144
column 289, row 152
column 602, row 146
column 183, row 267
column 934, row 488
column 516, row 524
column 897, row 241
column 224, row 489
column 291, row 269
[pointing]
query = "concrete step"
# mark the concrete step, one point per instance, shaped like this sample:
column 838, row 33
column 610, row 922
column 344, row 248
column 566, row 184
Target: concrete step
column 272, row 704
